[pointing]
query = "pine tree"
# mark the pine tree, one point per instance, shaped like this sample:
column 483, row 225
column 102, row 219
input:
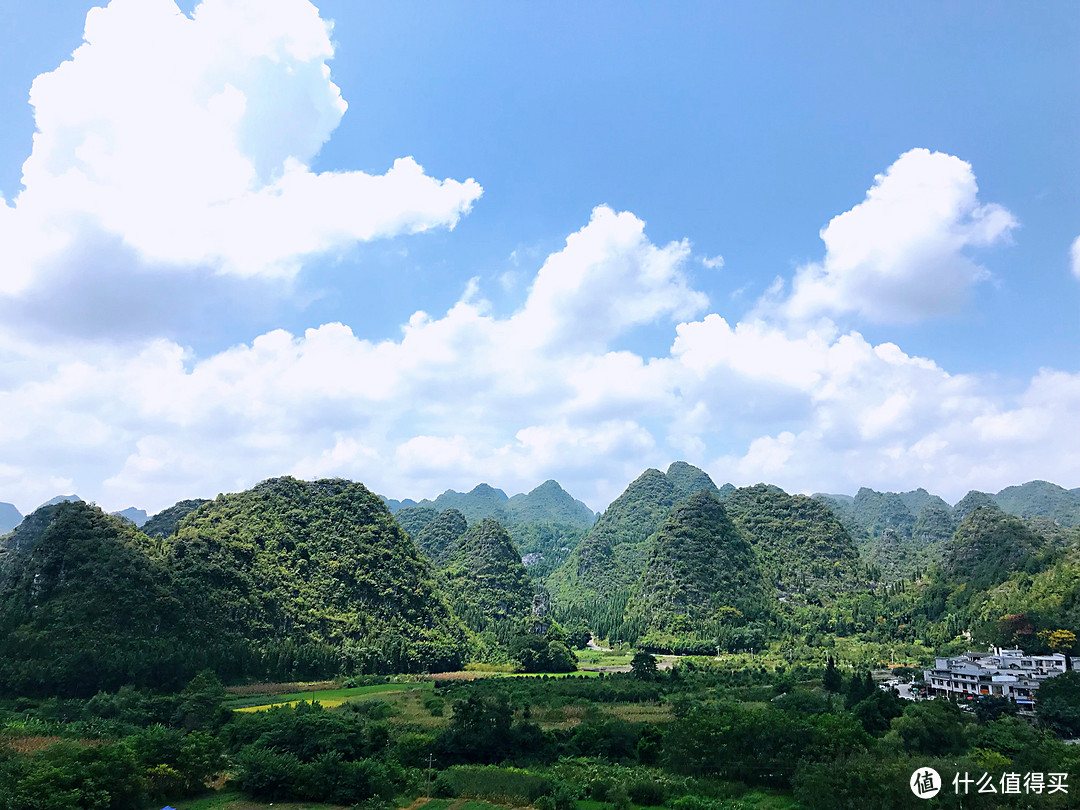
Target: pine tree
column 832, row 680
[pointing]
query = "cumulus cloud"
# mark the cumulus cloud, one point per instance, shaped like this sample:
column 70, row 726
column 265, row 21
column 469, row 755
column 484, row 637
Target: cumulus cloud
column 469, row 396
column 190, row 139
column 903, row 254
column 455, row 396
column 549, row 390
column 1075, row 256
column 608, row 278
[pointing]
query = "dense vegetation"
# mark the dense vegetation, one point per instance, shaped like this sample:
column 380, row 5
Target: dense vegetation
column 485, row 578
column 164, row 523
column 317, row 571
column 799, row 544
column 290, row 579
column 698, row 737
column 102, row 624
column 85, row 605
column 611, row 557
column 545, row 524
column 701, row 576
column 438, row 539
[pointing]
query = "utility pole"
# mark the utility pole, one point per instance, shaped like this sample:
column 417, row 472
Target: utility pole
column 430, row 759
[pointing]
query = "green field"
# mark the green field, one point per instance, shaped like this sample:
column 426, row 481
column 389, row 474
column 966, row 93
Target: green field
column 234, row 800
column 330, row 698
column 603, row 658
column 327, row 697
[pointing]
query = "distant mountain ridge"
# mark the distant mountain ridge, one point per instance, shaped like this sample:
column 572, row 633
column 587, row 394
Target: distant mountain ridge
column 904, row 531
column 165, row 522
column 1041, row 499
column 61, row 499
column 548, row 502
column 10, row 517
column 136, row 516
column 545, row 523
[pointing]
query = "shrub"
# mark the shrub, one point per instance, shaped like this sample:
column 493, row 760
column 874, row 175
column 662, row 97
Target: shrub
column 266, row 774
column 435, row 705
column 648, row 794
column 510, row 785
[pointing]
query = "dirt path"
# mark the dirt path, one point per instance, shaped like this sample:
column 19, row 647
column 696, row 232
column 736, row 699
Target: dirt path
column 591, row 644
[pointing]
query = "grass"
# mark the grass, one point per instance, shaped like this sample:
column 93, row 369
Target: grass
column 234, row 800
column 329, row 698
column 436, row 804
column 281, row 688
column 586, row 673
column 475, row 804
column 603, row 658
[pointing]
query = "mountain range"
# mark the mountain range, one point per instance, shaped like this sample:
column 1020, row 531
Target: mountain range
column 295, row 579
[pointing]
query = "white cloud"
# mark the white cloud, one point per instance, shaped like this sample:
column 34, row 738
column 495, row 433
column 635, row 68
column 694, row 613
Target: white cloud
column 546, row 391
column 189, row 139
column 455, row 396
column 607, row 279
column 1075, row 256
column 902, row 254
column 713, row 262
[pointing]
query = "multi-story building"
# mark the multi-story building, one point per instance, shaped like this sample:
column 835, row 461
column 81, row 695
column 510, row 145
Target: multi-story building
column 1001, row 673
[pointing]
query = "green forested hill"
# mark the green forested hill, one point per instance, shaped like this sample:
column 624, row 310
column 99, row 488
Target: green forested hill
column 970, row 502
column 612, row 555
column 878, row 511
column 798, row 541
column 918, row 499
column 485, row 579
column 686, row 479
column 933, row 525
column 439, row 538
column 1041, row 499
column 545, row 524
column 1026, row 604
column 550, row 503
column 317, row 572
column 85, row 605
column 164, row 523
column 478, row 503
column 414, row 518
column 896, row 532
column 700, row 572
column 394, row 505
column 988, row 546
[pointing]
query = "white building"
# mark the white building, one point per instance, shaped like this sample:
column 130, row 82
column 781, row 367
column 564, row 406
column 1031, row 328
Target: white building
column 1002, row 673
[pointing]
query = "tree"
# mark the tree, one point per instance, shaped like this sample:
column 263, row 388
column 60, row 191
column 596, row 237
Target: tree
column 1058, row 704
column 1061, row 641
column 832, row 681
column 644, row 666
column 935, row 727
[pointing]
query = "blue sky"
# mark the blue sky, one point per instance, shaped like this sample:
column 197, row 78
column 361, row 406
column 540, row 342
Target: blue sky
column 930, row 339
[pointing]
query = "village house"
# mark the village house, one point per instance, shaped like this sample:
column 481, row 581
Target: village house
column 1001, row 673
